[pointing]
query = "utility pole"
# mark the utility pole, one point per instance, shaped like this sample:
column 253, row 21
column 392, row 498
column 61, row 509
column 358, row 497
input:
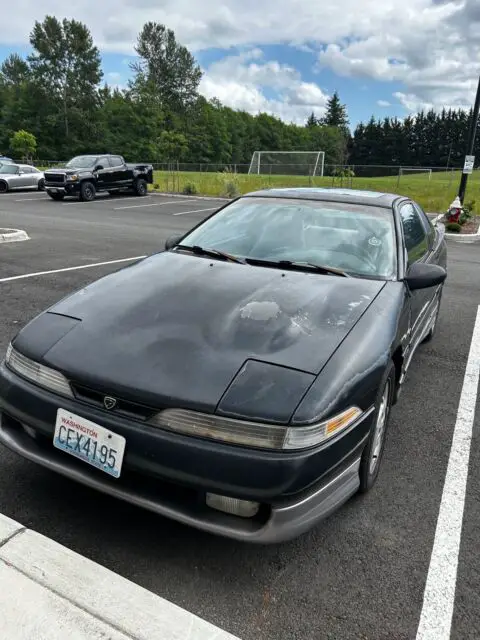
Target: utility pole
column 470, row 146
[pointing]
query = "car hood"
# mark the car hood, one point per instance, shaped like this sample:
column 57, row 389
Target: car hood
column 178, row 328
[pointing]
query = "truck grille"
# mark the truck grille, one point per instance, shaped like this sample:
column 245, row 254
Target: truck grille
column 57, row 178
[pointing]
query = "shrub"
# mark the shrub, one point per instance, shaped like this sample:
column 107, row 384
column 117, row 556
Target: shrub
column 156, row 186
column 230, row 190
column 453, row 227
column 230, row 184
column 190, row 189
column 469, row 207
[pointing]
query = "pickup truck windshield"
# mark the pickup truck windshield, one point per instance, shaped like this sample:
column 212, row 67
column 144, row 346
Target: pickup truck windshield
column 82, row 162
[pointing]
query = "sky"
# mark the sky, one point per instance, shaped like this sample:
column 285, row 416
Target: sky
column 286, row 57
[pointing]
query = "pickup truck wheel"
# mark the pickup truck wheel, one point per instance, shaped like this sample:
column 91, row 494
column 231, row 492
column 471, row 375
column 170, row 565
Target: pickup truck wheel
column 87, row 191
column 140, row 187
column 41, row 185
column 3, row 186
column 56, row 196
column 373, row 452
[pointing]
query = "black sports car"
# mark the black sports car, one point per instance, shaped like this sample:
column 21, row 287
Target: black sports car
column 241, row 380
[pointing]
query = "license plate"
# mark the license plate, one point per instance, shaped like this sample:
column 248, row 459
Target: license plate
column 54, row 190
column 89, row 442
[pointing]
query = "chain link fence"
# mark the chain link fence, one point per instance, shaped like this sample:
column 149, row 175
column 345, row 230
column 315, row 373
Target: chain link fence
column 433, row 187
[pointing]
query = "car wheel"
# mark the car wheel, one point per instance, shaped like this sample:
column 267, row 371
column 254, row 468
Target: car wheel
column 140, row 187
column 431, row 331
column 56, row 196
column 87, row 192
column 41, row 185
column 373, row 452
column 3, row 186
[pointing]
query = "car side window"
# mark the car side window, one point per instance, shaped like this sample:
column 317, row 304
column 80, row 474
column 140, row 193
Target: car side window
column 427, row 224
column 103, row 162
column 416, row 241
column 116, row 161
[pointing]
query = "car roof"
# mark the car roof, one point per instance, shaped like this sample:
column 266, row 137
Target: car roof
column 334, row 194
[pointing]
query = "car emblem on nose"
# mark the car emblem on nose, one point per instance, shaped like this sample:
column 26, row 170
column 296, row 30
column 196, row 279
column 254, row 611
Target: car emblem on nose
column 109, row 403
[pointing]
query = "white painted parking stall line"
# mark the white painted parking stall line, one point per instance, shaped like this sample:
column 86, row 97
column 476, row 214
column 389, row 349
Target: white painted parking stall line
column 153, row 204
column 29, row 199
column 184, row 213
column 439, row 594
column 64, row 270
column 102, row 200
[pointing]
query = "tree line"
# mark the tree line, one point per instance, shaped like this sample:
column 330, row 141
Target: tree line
column 54, row 104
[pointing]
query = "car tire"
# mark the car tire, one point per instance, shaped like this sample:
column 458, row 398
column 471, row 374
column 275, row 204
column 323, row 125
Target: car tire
column 3, row 186
column 431, row 331
column 41, row 185
column 373, row 451
column 140, row 187
column 87, row 191
column 56, row 196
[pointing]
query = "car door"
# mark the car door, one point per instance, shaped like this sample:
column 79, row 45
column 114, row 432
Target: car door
column 21, row 179
column 103, row 175
column 120, row 170
column 28, row 176
column 418, row 249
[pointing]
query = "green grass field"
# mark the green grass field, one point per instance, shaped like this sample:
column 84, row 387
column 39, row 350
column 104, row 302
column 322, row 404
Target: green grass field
column 435, row 195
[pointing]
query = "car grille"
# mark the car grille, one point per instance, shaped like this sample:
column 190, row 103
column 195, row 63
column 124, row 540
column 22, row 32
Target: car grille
column 123, row 407
column 57, row 178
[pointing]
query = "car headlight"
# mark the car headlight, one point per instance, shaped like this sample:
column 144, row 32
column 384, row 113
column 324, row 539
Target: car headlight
column 37, row 373
column 255, row 434
column 73, row 177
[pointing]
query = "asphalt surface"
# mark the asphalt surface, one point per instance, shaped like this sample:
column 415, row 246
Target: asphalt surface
column 359, row 575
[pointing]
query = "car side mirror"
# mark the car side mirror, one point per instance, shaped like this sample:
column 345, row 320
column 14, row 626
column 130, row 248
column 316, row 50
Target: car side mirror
column 423, row 276
column 20, row 173
column 99, row 167
column 172, row 241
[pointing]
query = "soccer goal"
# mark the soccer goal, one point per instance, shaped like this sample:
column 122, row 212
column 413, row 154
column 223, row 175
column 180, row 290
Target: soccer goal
column 403, row 171
column 288, row 163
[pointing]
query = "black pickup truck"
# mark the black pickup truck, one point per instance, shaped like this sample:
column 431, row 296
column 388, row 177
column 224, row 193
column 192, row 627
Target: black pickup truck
column 84, row 176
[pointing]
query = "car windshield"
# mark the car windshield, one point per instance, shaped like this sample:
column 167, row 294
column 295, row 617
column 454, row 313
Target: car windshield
column 8, row 168
column 82, row 162
column 357, row 239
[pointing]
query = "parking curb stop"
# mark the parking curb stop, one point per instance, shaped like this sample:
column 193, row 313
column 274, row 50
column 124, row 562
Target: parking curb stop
column 59, row 589
column 13, row 235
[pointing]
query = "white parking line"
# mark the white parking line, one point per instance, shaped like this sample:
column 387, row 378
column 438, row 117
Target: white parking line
column 154, row 204
column 28, row 199
column 439, row 595
column 184, row 213
column 102, row 200
column 83, row 266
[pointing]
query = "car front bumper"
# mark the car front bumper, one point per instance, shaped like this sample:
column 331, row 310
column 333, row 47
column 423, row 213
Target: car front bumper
column 170, row 474
column 68, row 188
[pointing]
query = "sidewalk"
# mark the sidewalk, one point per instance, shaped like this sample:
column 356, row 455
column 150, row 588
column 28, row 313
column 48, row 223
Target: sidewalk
column 48, row 592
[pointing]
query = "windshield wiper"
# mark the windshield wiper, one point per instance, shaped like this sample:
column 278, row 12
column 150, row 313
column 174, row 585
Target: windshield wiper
column 312, row 265
column 214, row 253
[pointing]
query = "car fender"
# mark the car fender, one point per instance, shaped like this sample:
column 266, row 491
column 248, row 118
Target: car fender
column 354, row 372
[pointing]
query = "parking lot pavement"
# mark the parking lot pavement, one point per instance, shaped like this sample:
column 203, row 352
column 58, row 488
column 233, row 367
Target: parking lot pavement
column 360, row 574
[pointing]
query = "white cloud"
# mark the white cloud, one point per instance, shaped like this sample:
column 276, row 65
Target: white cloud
column 430, row 48
column 384, row 103
column 240, row 82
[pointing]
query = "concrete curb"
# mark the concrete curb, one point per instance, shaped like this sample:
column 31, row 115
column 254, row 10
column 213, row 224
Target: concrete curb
column 49, row 591
column 469, row 238
column 13, row 235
